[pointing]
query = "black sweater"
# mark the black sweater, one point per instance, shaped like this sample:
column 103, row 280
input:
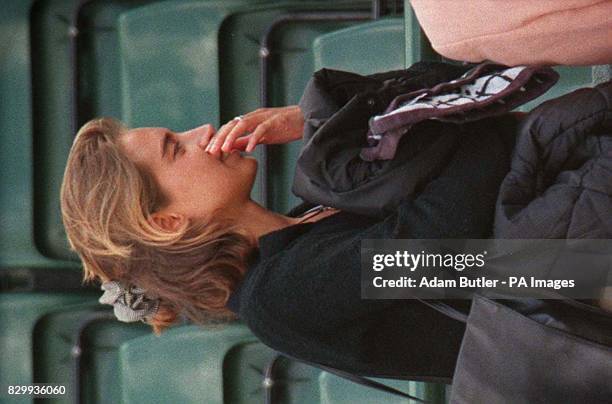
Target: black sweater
column 301, row 295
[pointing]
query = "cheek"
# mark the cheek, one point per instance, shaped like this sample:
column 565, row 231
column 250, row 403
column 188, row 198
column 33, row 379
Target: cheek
column 202, row 183
column 178, row 179
column 201, row 180
column 173, row 186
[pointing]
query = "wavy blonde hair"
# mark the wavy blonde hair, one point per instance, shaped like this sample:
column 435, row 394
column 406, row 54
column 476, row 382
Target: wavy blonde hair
column 106, row 203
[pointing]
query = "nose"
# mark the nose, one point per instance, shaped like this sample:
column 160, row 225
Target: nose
column 199, row 136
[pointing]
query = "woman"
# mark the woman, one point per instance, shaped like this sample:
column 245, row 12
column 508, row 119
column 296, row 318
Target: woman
column 171, row 213
column 158, row 198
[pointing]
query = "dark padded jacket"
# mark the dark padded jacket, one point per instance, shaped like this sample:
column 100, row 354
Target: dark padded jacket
column 560, row 183
column 337, row 106
column 302, row 292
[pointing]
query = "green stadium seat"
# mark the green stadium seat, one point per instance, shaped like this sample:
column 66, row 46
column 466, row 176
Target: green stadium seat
column 364, row 49
column 170, row 63
column 17, row 247
column 19, row 315
column 184, row 365
column 57, row 342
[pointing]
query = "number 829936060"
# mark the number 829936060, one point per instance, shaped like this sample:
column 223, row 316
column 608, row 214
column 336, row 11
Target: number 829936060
column 36, row 390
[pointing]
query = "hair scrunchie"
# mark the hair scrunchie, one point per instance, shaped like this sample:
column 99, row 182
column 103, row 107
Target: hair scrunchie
column 130, row 303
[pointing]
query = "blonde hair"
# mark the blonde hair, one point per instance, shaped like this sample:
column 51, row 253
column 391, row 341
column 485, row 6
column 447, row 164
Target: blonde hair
column 106, row 203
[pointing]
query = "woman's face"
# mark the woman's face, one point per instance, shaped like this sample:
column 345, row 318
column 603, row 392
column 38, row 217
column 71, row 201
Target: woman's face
column 194, row 182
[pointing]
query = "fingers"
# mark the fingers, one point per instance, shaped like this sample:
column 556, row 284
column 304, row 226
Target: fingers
column 232, row 130
column 241, row 143
column 241, row 128
column 225, row 129
column 235, row 133
column 216, row 141
column 257, row 136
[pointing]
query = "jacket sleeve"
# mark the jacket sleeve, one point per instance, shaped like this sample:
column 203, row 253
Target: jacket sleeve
column 337, row 107
column 460, row 202
column 327, row 92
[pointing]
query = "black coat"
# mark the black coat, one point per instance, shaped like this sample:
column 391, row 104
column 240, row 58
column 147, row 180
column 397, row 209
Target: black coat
column 301, row 295
column 337, row 106
column 560, row 183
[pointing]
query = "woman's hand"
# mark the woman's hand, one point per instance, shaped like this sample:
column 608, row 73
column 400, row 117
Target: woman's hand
column 264, row 125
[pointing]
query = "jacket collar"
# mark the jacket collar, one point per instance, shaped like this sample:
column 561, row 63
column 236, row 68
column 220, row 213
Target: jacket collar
column 271, row 243
column 268, row 245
